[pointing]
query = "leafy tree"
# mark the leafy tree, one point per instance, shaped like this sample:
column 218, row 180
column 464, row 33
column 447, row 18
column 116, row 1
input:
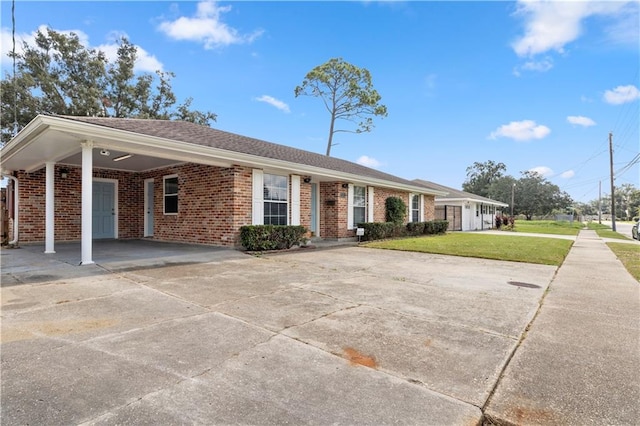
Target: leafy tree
column 627, row 201
column 58, row 75
column 347, row 93
column 587, row 209
column 501, row 189
column 480, row 176
column 534, row 195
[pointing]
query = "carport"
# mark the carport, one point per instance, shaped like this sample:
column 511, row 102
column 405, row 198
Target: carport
column 50, row 141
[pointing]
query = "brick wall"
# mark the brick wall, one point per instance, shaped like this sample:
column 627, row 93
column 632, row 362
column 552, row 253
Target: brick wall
column 380, row 195
column 213, row 203
column 429, row 208
column 68, row 204
column 305, row 206
column 333, row 211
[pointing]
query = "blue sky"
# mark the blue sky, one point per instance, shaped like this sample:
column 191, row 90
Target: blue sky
column 535, row 85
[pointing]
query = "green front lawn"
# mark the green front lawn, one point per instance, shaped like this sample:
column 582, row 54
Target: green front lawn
column 546, row 251
column 629, row 255
column 548, row 227
column 605, row 231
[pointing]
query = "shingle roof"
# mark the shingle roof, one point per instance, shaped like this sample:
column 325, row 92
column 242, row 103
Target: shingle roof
column 454, row 193
column 187, row 132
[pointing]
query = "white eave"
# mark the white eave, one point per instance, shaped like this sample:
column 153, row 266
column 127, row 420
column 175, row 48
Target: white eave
column 471, row 200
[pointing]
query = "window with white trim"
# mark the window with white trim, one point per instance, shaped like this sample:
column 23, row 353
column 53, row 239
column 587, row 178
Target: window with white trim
column 276, row 206
column 170, row 194
column 359, row 204
column 415, row 208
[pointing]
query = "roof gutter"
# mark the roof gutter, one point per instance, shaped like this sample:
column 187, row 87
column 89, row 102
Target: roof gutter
column 495, row 203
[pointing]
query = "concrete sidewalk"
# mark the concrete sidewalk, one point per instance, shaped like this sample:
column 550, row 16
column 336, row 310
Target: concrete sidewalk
column 579, row 362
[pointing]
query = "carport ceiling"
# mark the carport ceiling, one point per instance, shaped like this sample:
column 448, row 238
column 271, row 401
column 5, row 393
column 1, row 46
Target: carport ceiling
column 135, row 163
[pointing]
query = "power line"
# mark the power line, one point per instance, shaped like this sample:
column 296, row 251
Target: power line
column 15, row 86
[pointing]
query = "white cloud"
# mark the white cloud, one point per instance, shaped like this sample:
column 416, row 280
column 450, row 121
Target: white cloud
column 622, row 94
column 551, row 25
column 544, row 171
column 368, row 161
column 6, row 41
column 568, row 174
column 580, row 120
column 206, row 27
column 626, row 30
column 542, row 66
column 430, row 83
column 144, row 63
column 586, row 99
column 274, row 102
column 521, row 131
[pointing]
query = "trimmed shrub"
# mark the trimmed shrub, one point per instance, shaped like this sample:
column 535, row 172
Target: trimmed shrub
column 435, row 227
column 415, row 228
column 395, row 210
column 271, row 237
column 441, row 226
column 381, row 230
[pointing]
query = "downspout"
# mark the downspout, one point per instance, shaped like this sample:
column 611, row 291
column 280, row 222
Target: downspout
column 16, row 198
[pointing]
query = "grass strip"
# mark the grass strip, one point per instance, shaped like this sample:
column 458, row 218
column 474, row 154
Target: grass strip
column 629, row 255
column 605, row 231
column 548, row 227
column 540, row 250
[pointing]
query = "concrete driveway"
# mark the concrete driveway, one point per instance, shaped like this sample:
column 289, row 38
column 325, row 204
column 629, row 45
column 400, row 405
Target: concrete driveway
column 338, row 336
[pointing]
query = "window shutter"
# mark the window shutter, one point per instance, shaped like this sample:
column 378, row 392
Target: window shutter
column 257, row 211
column 421, row 218
column 350, row 207
column 295, row 200
column 370, row 204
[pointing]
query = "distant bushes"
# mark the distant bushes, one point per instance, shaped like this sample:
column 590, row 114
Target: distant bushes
column 504, row 222
column 271, row 237
column 382, row 230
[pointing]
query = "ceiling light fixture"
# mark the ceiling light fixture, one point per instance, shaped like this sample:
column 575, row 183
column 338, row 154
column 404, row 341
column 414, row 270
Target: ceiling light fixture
column 123, row 157
column 105, row 153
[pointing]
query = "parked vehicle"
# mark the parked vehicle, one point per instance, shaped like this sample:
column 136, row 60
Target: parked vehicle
column 634, row 231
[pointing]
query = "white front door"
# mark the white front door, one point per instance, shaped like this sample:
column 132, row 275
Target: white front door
column 148, row 207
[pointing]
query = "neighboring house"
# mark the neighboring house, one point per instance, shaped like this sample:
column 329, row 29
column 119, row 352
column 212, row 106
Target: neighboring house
column 85, row 178
column 463, row 210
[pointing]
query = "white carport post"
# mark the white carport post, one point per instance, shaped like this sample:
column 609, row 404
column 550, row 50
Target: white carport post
column 49, row 234
column 87, row 203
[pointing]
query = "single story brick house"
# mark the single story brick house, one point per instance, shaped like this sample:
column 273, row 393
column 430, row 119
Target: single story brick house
column 86, row 178
column 464, row 211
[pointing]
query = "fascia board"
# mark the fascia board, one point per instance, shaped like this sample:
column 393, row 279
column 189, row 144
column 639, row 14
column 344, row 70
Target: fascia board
column 473, row 200
column 27, row 135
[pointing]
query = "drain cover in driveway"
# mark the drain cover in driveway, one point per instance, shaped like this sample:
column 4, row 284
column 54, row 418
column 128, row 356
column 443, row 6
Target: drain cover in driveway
column 521, row 284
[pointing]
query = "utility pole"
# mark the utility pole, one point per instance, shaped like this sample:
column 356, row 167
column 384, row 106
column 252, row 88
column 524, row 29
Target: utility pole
column 600, row 202
column 513, row 190
column 613, row 196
